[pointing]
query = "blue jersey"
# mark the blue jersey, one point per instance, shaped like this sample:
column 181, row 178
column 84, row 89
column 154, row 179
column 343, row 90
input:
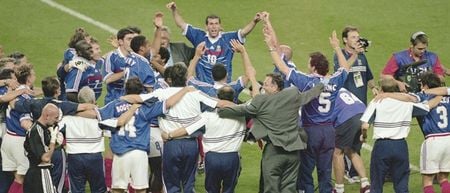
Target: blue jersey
column 136, row 133
column 358, row 75
column 217, row 51
column 211, row 89
column 96, row 82
column 141, row 69
column 290, row 65
column 77, row 79
column 14, row 117
column 319, row 111
column 115, row 62
column 69, row 54
column 3, row 106
column 437, row 120
column 346, row 106
column 35, row 106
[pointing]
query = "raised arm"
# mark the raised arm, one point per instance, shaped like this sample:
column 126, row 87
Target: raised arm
column 249, row 70
column 250, row 26
column 199, row 50
column 158, row 23
column 176, row 16
column 269, row 36
column 334, row 42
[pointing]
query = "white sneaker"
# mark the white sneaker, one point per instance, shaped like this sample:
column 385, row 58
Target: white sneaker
column 352, row 180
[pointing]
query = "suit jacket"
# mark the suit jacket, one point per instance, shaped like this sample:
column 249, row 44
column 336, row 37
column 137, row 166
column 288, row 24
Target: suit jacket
column 180, row 52
column 276, row 116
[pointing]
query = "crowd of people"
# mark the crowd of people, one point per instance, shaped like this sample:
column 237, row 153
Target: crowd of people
column 171, row 109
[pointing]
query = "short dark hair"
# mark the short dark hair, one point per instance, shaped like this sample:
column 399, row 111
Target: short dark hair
column 134, row 86
column 319, row 62
column 128, row 30
column 84, row 49
column 176, row 75
column 23, row 72
column 219, row 72
column 419, row 37
column 226, row 93
column 6, row 74
column 50, row 86
column 137, row 42
column 212, row 16
column 430, row 79
column 80, row 34
column 346, row 30
column 4, row 61
column 164, row 53
column 389, row 85
column 277, row 79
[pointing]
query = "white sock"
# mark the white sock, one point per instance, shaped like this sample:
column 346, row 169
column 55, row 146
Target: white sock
column 364, row 182
column 339, row 188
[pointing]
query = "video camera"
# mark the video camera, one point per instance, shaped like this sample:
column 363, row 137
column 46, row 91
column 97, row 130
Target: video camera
column 411, row 75
column 365, row 43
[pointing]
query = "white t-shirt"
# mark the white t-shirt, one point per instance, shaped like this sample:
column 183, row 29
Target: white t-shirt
column 82, row 135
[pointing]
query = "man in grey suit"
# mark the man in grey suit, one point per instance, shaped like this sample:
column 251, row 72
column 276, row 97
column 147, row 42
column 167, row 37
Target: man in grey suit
column 179, row 51
column 275, row 115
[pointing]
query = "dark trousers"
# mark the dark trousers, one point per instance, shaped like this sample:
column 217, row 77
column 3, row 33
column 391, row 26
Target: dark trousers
column 155, row 180
column 221, row 171
column 86, row 167
column 38, row 180
column 179, row 165
column 389, row 156
column 279, row 169
column 6, row 178
column 58, row 170
column 319, row 153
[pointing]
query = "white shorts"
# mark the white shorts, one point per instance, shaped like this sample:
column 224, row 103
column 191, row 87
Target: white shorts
column 156, row 142
column 13, row 154
column 435, row 155
column 2, row 129
column 134, row 165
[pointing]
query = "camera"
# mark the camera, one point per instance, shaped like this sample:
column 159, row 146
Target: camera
column 364, row 43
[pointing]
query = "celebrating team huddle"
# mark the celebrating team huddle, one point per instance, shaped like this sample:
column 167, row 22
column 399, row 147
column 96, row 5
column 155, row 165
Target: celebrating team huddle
column 172, row 111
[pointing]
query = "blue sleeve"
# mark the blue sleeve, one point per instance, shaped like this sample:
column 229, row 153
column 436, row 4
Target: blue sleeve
column 237, row 86
column 23, row 106
column 299, row 80
column 68, row 56
column 68, row 108
column 149, row 76
column 108, row 111
column 339, row 78
column 203, row 86
column 149, row 112
column 195, row 35
column 72, row 80
column 61, row 73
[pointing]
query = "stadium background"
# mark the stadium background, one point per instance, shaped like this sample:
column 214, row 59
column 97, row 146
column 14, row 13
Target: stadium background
column 42, row 32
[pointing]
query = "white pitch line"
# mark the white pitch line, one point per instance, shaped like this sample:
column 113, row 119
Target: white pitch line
column 369, row 148
column 80, row 16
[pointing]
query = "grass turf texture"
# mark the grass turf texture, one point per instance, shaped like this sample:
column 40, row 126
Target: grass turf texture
column 42, row 33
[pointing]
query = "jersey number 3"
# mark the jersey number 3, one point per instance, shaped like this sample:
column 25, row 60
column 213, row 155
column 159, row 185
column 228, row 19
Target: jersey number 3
column 443, row 119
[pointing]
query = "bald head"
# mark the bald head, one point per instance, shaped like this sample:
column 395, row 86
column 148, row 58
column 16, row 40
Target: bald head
column 287, row 51
column 49, row 115
column 226, row 93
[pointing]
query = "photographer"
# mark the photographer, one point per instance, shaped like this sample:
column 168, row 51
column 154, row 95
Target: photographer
column 359, row 79
column 360, row 76
column 416, row 52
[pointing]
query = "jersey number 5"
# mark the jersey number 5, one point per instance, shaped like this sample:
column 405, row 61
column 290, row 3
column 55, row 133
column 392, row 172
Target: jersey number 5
column 324, row 101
